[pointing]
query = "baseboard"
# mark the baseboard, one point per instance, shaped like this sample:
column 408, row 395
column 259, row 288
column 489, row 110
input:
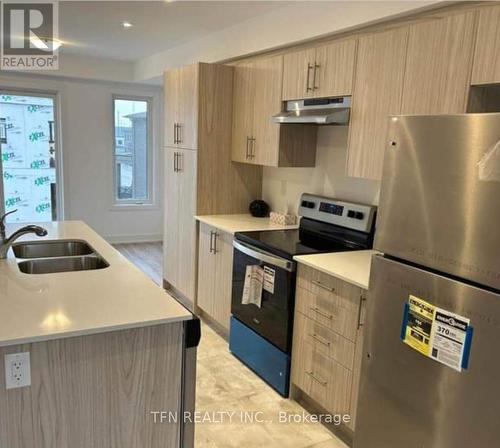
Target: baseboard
column 123, row 239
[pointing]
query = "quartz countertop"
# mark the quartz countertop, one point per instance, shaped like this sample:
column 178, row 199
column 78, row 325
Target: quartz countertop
column 40, row 307
column 241, row 223
column 352, row 267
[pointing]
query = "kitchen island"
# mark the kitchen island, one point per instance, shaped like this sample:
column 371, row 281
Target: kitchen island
column 108, row 348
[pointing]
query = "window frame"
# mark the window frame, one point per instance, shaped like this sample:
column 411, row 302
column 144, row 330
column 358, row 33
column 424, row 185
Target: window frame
column 56, row 96
column 134, row 204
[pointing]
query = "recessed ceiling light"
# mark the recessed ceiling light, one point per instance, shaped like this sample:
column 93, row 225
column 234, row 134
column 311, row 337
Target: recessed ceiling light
column 127, row 25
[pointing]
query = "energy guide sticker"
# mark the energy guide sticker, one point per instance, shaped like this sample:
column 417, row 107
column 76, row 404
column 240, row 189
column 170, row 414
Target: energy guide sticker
column 436, row 333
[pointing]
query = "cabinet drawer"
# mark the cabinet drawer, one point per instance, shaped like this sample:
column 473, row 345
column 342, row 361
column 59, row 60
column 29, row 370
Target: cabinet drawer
column 326, row 381
column 329, row 310
column 325, row 285
column 324, row 341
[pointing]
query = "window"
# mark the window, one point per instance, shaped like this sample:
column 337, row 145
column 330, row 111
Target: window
column 132, row 150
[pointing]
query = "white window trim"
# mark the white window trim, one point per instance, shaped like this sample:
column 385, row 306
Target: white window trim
column 152, row 202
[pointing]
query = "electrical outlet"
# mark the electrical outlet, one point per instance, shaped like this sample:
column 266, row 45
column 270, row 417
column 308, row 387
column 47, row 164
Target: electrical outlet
column 17, row 370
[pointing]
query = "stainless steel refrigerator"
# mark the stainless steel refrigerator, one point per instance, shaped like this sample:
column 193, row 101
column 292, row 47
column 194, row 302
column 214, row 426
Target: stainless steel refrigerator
column 431, row 368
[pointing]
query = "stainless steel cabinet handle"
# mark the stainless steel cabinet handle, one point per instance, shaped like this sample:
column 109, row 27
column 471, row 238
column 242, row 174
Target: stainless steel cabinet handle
column 323, row 286
column 360, row 324
column 215, row 243
column 177, row 129
column 252, row 147
column 309, row 68
column 315, row 378
column 316, row 66
column 321, row 313
column 211, row 241
column 179, row 160
column 179, row 133
column 320, row 340
column 175, row 162
column 247, row 153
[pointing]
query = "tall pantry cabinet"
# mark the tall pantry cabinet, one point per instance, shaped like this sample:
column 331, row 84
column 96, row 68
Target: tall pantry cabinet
column 200, row 178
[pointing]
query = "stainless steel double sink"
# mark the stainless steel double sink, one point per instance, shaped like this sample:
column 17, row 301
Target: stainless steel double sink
column 49, row 257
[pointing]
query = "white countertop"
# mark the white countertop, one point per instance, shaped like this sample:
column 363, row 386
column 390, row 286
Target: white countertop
column 51, row 306
column 241, row 223
column 352, row 267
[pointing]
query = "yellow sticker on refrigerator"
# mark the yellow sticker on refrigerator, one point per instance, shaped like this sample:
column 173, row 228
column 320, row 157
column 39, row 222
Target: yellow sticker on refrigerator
column 437, row 333
column 418, row 329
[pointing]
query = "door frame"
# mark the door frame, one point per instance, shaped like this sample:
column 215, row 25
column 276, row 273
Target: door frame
column 56, row 97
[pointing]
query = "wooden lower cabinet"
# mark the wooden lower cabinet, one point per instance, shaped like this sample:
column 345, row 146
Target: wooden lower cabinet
column 327, row 341
column 322, row 378
column 215, row 271
column 98, row 391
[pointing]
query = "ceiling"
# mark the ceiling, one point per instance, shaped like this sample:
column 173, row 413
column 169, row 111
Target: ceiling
column 94, row 28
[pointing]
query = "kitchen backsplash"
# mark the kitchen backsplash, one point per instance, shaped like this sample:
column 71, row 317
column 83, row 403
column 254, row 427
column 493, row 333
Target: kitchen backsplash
column 282, row 187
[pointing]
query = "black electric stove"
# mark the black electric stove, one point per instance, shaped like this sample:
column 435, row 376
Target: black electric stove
column 312, row 237
column 261, row 334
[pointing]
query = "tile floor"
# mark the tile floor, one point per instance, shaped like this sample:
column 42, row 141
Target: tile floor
column 230, row 393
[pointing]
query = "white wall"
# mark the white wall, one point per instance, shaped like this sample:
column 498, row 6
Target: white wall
column 282, row 187
column 87, row 144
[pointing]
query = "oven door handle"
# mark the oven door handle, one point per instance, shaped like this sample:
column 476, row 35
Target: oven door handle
column 264, row 256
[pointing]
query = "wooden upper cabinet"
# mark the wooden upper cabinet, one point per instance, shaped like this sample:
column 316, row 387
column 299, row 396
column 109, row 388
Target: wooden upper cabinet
column 377, row 95
column 334, row 69
column 319, row 72
column 181, row 107
column 171, row 94
column 268, row 78
column 243, row 107
column 486, row 69
column 298, row 69
column 438, row 65
column 256, row 138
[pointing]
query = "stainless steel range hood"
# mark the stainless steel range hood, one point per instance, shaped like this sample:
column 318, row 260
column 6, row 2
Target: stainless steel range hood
column 334, row 111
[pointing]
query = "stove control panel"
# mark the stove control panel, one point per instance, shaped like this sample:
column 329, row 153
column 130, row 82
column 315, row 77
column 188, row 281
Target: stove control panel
column 346, row 214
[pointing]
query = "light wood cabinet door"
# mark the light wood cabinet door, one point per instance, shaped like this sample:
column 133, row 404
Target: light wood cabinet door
column 438, row 65
column 215, row 272
column 171, row 106
column 322, row 378
column 206, row 269
column 298, row 71
column 223, row 246
column 243, row 111
column 377, row 95
column 180, row 227
column 486, row 69
column 171, row 222
column 181, row 107
column 334, row 69
column 186, row 209
column 268, row 74
column 187, row 133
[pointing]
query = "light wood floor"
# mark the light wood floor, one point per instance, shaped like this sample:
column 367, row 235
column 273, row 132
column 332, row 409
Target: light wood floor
column 224, row 385
column 146, row 256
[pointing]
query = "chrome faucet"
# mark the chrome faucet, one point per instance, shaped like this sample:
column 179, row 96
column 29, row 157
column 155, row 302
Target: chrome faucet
column 6, row 243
